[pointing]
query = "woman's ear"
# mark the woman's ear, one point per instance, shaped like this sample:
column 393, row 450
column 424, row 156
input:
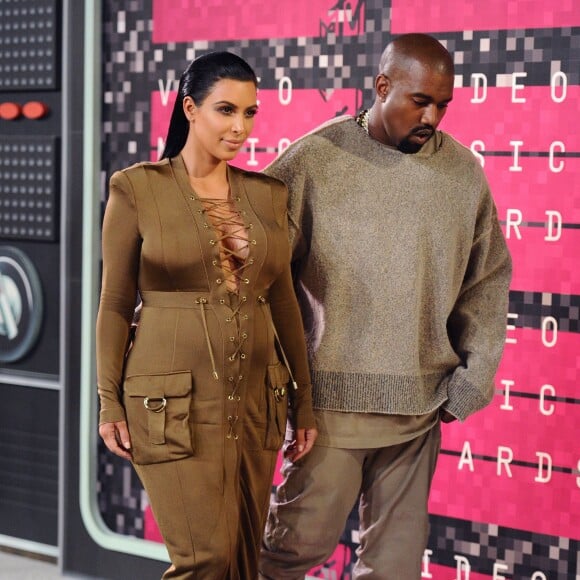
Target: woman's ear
column 189, row 108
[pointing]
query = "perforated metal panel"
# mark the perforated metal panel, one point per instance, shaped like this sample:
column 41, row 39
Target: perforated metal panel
column 28, row 195
column 28, row 45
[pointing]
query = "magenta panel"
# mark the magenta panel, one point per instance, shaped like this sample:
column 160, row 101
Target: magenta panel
column 496, row 120
column 535, row 190
column 485, row 496
column 542, row 266
column 554, row 365
column 214, row 20
column 428, row 16
column 276, row 123
column 494, row 427
column 438, row 572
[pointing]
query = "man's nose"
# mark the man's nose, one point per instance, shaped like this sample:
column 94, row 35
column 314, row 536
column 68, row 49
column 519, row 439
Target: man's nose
column 431, row 115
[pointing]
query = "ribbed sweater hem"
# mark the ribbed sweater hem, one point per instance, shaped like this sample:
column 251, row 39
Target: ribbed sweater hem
column 378, row 393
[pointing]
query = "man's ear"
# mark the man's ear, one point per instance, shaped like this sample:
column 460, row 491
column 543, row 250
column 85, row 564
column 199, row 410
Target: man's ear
column 382, row 86
column 189, row 108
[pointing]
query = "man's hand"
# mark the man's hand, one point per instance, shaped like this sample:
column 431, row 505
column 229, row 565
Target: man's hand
column 116, row 438
column 446, row 416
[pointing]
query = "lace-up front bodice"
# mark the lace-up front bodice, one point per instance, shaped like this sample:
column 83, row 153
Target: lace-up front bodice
column 232, row 238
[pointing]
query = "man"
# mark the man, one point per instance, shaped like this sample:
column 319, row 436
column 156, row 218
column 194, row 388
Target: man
column 403, row 275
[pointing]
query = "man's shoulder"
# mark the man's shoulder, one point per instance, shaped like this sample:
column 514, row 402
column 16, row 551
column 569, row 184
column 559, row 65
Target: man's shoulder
column 451, row 144
column 331, row 129
column 309, row 146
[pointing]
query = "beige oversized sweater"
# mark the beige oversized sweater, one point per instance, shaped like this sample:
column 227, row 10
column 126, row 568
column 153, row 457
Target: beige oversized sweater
column 402, row 272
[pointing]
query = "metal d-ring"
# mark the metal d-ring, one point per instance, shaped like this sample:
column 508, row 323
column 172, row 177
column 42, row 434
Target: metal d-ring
column 162, row 404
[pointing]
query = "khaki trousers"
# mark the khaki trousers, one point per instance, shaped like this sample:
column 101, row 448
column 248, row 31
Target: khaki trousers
column 310, row 508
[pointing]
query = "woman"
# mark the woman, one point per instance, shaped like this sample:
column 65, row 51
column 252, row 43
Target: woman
column 199, row 400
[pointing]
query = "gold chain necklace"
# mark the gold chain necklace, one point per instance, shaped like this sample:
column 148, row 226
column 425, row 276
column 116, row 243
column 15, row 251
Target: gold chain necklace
column 363, row 119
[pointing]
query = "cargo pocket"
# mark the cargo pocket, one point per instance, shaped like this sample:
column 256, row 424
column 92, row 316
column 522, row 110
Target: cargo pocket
column 277, row 405
column 158, row 409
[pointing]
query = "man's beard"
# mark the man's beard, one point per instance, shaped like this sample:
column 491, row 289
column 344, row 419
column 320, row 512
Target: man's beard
column 408, row 146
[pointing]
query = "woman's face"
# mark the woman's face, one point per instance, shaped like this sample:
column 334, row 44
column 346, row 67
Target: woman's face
column 224, row 120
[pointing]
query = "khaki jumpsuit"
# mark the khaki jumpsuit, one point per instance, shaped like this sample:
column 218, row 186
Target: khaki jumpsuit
column 204, row 387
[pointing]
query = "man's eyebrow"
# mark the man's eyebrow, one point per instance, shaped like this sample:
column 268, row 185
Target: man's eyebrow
column 429, row 97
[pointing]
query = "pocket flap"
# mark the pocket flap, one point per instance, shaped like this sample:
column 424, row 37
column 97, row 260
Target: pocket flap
column 176, row 384
column 278, row 375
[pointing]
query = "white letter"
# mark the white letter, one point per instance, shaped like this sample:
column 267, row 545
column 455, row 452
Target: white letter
column 509, row 455
column 466, row 457
column 564, row 84
column 514, row 218
column 506, row 404
column 540, row 478
column 545, row 321
column 551, row 236
column 556, row 168
column 550, row 410
column 539, row 576
column 496, row 568
column 285, row 82
column 252, row 141
column 160, row 147
column 514, row 166
column 476, row 78
column 477, row 146
column 578, row 469
column 425, row 572
column 515, row 87
column 283, row 144
column 165, row 89
column 511, row 339
column 462, row 564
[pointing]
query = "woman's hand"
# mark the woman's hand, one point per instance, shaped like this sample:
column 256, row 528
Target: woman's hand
column 301, row 445
column 116, row 438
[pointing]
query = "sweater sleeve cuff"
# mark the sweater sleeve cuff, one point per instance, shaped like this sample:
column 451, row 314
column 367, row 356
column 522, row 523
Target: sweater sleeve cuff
column 464, row 398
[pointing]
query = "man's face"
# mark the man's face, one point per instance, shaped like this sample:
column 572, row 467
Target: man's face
column 416, row 100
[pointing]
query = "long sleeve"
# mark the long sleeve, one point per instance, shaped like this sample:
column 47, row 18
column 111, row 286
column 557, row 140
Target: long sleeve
column 288, row 322
column 121, row 244
column 478, row 321
column 284, row 169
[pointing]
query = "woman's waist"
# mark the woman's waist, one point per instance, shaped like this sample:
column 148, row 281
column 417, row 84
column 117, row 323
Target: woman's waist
column 197, row 299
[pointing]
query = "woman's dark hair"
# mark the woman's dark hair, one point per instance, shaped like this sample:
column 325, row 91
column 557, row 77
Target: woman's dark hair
column 197, row 82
